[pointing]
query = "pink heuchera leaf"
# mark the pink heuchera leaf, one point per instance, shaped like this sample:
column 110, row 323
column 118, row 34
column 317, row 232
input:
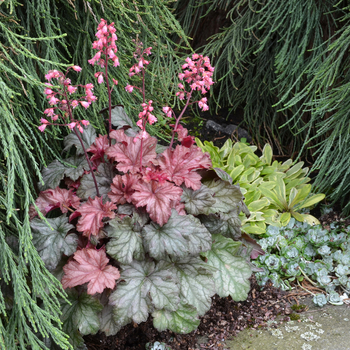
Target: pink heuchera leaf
column 98, row 148
column 52, row 199
column 122, row 188
column 92, row 212
column 179, row 207
column 181, row 164
column 157, row 198
column 90, row 266
column 127, row 151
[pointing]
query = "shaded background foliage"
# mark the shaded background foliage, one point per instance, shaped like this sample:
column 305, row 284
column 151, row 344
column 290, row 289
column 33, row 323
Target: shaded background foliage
column 286, row 65
column 283, row 63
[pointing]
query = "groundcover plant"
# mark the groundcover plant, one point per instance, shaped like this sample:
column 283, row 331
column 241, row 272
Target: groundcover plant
column 300, row 251
column 132, row 228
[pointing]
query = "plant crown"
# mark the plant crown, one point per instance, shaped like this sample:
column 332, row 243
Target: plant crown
column 132, row 228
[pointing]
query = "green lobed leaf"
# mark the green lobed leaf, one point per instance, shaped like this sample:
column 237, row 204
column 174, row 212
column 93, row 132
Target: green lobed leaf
column 199, row 201
column 119, row 118
column 146, row 286
column 182, row 235
column 51, row 241
column 55, row 171
column 88, row 137
column 52, row 175
column 227, row 196
column 232, row 272
column 108, row 323
column 196, row 283
column 81, row 314
column 126, row 241
column 104, row 177
column 79, row 164
column 182, row 321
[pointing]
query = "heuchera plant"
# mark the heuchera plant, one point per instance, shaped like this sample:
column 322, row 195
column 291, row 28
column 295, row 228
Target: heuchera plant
column 133, row 232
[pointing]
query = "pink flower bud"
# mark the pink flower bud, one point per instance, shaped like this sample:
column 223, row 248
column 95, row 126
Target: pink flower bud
column 140, row 124
column 71, row 125
column 151, row 118
column 49, row 112
column 44, row 121
column 100, row 79
column 74, row 104
column 71, row 89
column 129, row 88
column 85, row 104
column 42, row 127
column 115, row 81
column 80, row 128
column 53, row 100
column 77, row 68
column 85, row 122
column 54, row 117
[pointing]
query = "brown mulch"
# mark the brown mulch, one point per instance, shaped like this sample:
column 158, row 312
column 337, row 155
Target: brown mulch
column 225, row 319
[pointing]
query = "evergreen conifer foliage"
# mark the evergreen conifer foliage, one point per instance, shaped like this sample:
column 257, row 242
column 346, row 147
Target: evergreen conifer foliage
column 36, row 36
column 286, row 64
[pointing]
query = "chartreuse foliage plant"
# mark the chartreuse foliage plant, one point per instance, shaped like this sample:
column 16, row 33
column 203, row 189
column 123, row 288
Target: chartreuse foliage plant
column 274, row 191
column 129, row 228
column 300, row 251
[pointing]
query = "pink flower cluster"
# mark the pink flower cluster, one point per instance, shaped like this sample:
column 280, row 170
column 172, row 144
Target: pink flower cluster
column 146, row 115
column 141, row 62
column 198, row 73
column 59, row 99
column 105, row 45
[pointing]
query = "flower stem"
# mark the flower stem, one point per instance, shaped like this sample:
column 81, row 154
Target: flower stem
column 70, row 113
column 88, row 160
column 179, row 118
column 109, row 99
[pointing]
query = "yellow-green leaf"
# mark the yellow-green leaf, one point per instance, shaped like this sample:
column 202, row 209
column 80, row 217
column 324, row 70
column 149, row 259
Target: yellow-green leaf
column 312, row 200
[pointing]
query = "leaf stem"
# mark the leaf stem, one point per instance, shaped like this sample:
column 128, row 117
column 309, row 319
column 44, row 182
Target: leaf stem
column 312, row 282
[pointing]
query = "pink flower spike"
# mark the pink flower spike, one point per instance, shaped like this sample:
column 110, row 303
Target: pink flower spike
column 77, row 68
column 180, row 86
column 44, row 121
column 71, row 125
column 74, row 104
column 42, row 127
column 85, row 104
column 85, row 122
column 129, row 88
